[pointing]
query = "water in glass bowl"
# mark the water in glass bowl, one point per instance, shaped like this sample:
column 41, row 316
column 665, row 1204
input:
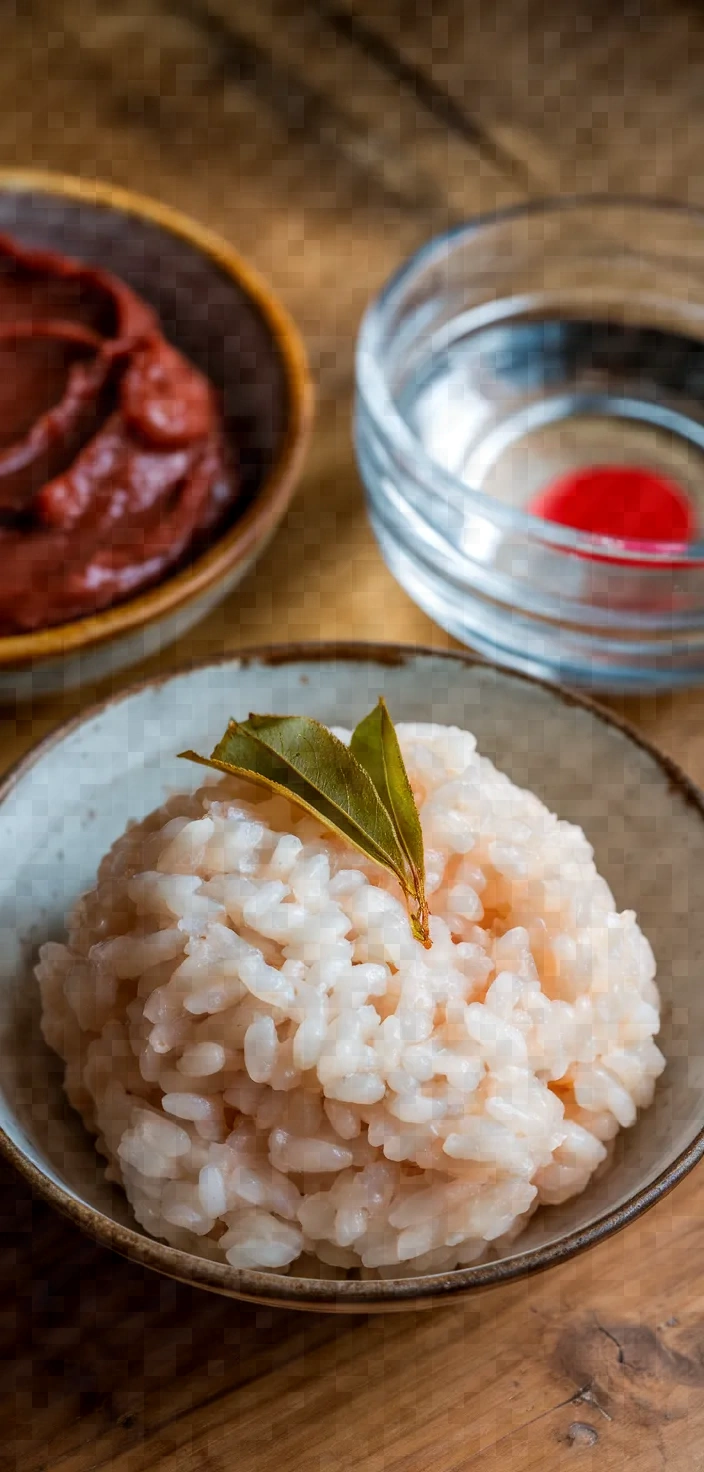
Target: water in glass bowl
column 515, row 406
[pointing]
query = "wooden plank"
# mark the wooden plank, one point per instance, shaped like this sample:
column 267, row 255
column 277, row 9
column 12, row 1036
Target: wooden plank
column 444, row 174
column 582, row 95
column 99, row 1353
column 116, row 1368
column 194, row 106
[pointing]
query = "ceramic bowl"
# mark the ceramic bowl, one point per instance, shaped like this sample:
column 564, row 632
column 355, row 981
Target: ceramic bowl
column 220, row 314
column 69, row 799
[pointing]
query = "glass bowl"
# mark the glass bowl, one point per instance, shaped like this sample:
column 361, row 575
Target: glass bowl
column 513, row 354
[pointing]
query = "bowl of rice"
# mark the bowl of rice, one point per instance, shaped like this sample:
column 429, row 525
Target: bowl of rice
column 224, row 1053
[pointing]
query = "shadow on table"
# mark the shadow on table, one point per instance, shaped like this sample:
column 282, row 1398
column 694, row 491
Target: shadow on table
column 100, row 1354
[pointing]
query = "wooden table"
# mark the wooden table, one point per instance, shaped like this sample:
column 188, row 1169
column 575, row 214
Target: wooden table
column 327, row 146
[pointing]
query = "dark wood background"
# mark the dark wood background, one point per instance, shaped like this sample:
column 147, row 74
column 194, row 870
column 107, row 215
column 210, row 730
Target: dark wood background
column 326, row 141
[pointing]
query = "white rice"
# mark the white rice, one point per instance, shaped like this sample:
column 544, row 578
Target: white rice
column 281, row 1077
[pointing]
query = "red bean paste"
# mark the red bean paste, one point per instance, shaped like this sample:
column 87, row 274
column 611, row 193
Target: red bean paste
column 113, row 456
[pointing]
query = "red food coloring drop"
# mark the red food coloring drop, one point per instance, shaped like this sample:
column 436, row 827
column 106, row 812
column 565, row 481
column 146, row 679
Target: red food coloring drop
column 638, row 507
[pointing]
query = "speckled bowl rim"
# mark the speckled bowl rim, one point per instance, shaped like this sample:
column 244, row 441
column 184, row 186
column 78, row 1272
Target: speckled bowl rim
column 353, row 1296
column 252, row 528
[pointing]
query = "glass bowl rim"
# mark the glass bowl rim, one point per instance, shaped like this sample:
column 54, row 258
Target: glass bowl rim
column 377, row 400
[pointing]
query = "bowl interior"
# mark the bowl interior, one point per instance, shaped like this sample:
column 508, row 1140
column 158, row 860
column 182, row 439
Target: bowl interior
column 531, row 439
column 546, row 339
column 204, row 311
column 76, row 796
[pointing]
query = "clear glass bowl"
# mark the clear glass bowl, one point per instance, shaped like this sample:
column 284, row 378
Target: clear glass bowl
column 516, row 349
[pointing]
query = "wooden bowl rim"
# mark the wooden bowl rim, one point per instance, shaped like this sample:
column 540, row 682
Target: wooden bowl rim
column 353, row 1296
column 269, row 504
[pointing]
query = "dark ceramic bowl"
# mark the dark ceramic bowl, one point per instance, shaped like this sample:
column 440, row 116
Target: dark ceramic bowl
column 66, row 802
column 222, row 316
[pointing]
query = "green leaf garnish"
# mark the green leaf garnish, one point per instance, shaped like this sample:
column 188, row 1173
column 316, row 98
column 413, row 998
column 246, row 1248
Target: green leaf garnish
column 361, row 792
column 375, row 745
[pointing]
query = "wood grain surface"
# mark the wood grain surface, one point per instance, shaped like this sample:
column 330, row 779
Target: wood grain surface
column 327, row 141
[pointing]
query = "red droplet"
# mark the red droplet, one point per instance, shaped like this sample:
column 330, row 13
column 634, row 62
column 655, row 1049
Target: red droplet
column 644, row 510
